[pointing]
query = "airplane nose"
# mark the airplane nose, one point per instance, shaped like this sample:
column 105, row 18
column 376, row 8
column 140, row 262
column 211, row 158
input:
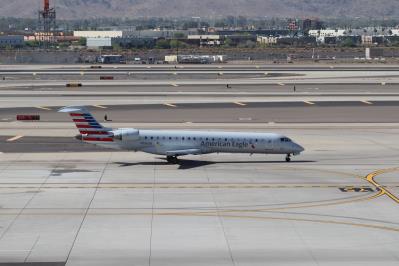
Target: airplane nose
column 300, row 148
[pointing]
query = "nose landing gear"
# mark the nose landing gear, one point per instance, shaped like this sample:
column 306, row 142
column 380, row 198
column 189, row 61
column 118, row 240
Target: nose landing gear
column 288, row 158
column 172, row 159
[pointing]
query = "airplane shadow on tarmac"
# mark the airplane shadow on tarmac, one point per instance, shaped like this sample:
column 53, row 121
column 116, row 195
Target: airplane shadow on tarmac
column 190, row 164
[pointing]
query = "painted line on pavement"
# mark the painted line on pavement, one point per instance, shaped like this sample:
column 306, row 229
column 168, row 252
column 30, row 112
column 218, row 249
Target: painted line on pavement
column 100, row 106
column 367, row 102
column 43, row 108
column 14, row 138
column 384, row 191
column 309, row 102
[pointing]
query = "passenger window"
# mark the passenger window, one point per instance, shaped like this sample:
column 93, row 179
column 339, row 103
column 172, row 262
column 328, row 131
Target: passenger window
column 170, row 137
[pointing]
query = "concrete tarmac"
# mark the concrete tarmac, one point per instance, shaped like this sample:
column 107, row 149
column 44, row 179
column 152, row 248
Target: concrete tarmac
column 63, row 202
column 335, row 204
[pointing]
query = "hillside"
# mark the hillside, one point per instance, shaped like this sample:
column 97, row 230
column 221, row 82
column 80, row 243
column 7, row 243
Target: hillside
column 78, row 9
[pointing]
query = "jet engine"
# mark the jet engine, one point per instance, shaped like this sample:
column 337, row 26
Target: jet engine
column 126, row 134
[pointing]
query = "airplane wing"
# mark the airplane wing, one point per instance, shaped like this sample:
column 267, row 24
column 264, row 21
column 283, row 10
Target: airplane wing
column 183, row 152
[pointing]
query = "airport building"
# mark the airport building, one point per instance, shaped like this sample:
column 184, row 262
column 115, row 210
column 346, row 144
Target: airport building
column 268, row 40
column 327, row 33
column 95, row 43
column 11, row 41
column 205, row 40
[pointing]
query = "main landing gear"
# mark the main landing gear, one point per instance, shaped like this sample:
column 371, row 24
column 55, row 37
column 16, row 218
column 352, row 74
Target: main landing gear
column 288, row 158
column 172, row 159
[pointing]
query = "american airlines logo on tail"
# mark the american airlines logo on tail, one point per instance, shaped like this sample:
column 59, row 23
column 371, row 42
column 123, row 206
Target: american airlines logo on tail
column 88, row 126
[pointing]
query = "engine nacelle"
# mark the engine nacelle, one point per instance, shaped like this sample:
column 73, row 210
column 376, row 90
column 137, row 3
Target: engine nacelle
column 126, row 134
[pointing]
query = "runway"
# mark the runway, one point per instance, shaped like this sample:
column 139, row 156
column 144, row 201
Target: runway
column 233, row 112
column 63, row 202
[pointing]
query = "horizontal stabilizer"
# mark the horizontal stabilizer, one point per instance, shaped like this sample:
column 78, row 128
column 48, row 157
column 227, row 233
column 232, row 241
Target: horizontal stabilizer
column 74, row 109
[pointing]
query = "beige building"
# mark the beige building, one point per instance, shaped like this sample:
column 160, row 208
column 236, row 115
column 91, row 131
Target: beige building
column 267, row 40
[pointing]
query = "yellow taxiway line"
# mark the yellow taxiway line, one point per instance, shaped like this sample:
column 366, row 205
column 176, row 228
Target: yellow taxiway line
column 43, row 108
column 383, row 189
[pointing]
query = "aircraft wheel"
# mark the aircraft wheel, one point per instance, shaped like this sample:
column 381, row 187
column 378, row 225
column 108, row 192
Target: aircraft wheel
column 288, row 158
column 172, row 159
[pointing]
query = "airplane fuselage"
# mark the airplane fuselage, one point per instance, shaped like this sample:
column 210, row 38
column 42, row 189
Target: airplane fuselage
column 161, row 141
column 175, row 143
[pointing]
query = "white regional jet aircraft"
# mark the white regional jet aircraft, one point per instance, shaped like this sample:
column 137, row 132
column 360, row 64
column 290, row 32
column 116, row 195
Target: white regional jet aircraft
column 173, row 144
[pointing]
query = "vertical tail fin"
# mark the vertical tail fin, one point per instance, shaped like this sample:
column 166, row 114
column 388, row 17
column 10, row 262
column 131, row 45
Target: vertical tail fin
column 89, row 128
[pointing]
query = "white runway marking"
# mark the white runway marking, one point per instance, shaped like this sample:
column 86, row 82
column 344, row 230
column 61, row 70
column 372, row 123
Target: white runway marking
column 15, row 138
column 309, row 102
column 366, row 102
column 100, row 106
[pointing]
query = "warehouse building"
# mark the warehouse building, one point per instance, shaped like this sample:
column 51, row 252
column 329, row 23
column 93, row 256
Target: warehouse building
column 98, row 43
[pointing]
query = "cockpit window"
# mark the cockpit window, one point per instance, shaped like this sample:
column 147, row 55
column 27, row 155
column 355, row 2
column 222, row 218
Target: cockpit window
column 285, row 140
